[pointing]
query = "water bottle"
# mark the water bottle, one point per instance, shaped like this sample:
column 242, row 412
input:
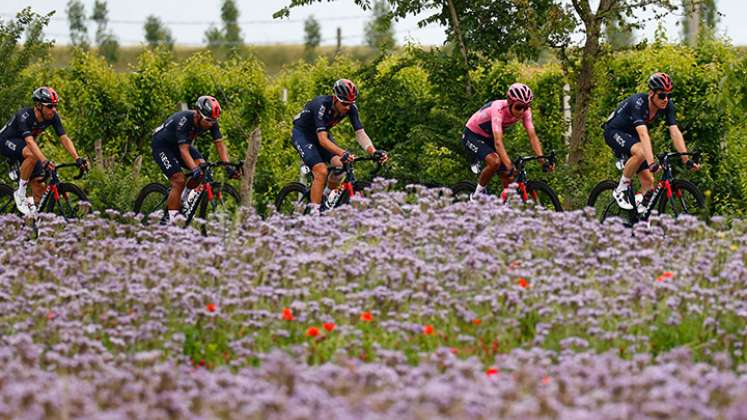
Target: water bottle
column 13, row 173
column 332, row 198
column 191, row 197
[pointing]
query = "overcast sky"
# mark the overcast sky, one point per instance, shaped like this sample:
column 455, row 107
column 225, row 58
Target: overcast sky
column 188, row 20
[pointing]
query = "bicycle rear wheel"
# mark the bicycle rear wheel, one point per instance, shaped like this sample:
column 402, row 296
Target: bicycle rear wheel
column 7, row 202
column 606, row 207
column 461, row 191
column 292, row 199
column 222, row 208
column 686, row 199
column 151, row 201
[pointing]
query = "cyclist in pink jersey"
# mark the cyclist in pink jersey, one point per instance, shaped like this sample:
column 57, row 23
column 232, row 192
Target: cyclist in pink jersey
column 483, row 134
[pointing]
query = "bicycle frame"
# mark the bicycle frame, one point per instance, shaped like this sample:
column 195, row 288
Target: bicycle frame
column 521, row 178
column 52, row 191
column 207, row 189
column 664, row 185
column 348, row 183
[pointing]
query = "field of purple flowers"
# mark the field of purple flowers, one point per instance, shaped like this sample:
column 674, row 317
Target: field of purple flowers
column 402, row 306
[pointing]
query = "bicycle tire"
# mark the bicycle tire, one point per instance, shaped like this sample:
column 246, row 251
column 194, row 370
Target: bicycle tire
column 462, row 190
column 292, row 199
column 680, row 203
column 7, row 202
column 226, row 203
column 68, row 205
column 605, row 205
column 537, row 189
column 151, row 198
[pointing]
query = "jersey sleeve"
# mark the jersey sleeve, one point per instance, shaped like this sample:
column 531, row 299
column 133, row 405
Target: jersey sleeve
column 527, row 119
column 25, row 124
column 215, row 131
column 355, row 118
column 669, row 114
column 181, row 131
column 318, row 109
column 638, row 111
column 57, row 124
column 496, row 117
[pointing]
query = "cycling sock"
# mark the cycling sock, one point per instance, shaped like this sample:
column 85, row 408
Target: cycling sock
column 480, row 189
column 172, row 215
column 22, row 185
column 624, row 183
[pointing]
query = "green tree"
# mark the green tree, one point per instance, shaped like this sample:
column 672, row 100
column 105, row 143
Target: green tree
column 618, row 34
column 18, row 54
column 157, row 34
column 76, row 17
column 380, row 29
column 105, row 40
column 312, row 36
column 700, row 16
column 228, row 37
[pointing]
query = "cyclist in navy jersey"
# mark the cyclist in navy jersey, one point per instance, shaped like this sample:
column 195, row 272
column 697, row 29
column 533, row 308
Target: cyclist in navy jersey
column 314, row 142
column 626, row 133
column 173, row 148
column 18, row 144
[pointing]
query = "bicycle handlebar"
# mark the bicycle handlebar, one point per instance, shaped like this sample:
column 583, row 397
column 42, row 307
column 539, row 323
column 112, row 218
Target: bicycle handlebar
column 521, row 160
column 666, row 156
column 69, row 165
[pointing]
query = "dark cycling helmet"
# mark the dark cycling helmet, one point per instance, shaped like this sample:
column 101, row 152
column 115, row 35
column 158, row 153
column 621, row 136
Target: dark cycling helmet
column 46, row 96
column 208, row 107
column 660, row 81
column 345, row 90
column 519, row 92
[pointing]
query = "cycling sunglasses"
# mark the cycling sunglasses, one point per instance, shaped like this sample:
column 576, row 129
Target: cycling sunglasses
column 662, row 95
column 50, row 106
column 521, row 107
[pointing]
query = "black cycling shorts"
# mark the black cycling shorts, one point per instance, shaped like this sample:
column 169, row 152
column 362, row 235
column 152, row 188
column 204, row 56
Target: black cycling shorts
column 13, row 150
column 621, row 142
column 170, row 160
column 311, row 152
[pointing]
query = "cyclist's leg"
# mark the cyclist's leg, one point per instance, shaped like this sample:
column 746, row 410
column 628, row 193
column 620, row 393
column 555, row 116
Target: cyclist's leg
column 309, row 152
column 479, row 148
column 169, row 162
column 30, row 167
column 192, row 183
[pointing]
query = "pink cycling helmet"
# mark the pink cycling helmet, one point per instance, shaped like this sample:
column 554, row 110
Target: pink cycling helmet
column 519, row 92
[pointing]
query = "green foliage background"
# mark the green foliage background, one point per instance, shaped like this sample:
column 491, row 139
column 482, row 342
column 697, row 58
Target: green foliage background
column 412, row 103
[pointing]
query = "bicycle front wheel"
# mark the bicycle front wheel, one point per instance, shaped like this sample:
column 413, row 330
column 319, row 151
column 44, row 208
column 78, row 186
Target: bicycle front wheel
column 72, row 202
column 540, row 195
column 686, row 199
column 151, row 201
column 604, row 204
column 292, row 199
column 223, row 207
column 7, row 202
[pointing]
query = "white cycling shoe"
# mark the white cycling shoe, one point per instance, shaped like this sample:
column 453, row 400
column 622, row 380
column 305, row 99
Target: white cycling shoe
column 22, row 203
column 622, row 199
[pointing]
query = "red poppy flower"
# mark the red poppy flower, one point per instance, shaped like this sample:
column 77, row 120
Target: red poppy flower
column 329, row 326
column 667, row 275
column 312, row 332
column 366, row 316
column 288, row 314
column 546, row 380
column 476, row 321
column 491, row 372
column 51, row 315
column 211, row 307
column 523, row 283
column 428, row 329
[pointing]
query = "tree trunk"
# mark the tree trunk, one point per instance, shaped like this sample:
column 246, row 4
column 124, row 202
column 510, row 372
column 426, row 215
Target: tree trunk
column 99, row 150
column 250, row 166
column 460, row 41
column 584, row 86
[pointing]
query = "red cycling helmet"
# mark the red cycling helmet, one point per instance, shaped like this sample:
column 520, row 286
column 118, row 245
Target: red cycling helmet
column 45, row 96
column 208, row 107
column 660, row 81
column 345, row 90
column 519, row 92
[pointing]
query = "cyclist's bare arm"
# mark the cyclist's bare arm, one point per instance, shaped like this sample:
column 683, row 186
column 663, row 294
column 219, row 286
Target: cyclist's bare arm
column 648, row 151
column 69, row 146
column 534, row 141
column 678, row 141
column 186, row 157
column 329, row 145
column 498, row 141
column 220, row 147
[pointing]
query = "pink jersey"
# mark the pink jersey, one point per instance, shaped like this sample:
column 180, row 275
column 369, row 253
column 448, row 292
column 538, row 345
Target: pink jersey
column 495, row 116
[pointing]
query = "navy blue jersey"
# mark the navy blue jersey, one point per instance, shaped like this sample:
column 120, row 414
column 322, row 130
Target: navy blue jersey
column 319, row 115
column 633, row 112
column 24, row 124
column 179, row 129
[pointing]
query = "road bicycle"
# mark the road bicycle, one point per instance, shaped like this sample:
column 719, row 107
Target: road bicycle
column 531, row 193
column 671, row 196
column 294, row 198
column 211, row 199
column 61, row 198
